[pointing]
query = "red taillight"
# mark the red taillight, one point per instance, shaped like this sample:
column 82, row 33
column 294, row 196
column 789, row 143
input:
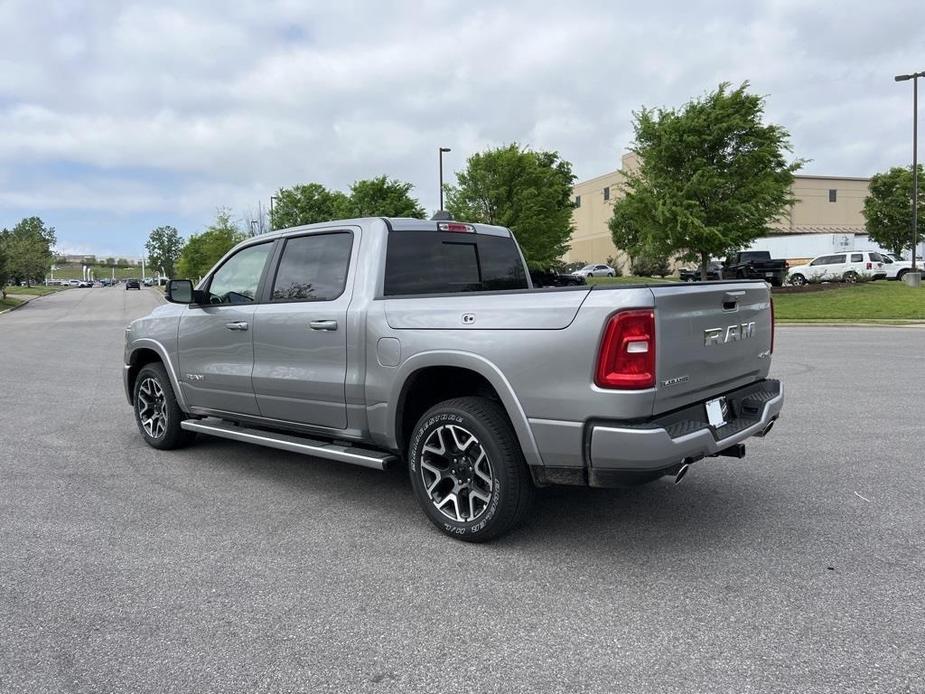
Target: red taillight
column 451, row 226
column 772, row 326
column 870, row 266
column 627, row 356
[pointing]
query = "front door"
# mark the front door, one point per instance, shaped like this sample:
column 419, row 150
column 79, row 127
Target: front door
column 300, row 333
column 215, row 342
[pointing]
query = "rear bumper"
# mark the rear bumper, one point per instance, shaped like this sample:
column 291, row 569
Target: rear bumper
column 666, row 441
column 619, row 453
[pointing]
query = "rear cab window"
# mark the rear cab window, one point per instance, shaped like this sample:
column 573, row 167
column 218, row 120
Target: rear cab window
column 439, row 262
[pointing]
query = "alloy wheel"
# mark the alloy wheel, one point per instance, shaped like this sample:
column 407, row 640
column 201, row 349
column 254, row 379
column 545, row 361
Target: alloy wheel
column 456, row 473
column 152, row 408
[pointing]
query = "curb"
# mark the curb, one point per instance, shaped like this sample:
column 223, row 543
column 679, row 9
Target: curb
column 20, row 304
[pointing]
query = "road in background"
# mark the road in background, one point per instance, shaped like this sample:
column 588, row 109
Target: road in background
column 227, row 567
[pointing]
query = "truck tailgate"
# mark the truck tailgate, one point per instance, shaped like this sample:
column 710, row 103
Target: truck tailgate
column 710, row 338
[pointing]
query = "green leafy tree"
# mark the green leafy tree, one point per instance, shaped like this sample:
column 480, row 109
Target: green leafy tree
column 382, row 197
column 110, row 261
column 712, row 177
column 649, row 264
column 28, row 247
column 4, row 265
column 529, row 192
column 888, row 208
column 164, row 246
column 203, row 250
column 307, row 204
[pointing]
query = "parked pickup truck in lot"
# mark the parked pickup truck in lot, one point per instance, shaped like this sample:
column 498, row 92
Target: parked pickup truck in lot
column 423, row 343
column 756, row 265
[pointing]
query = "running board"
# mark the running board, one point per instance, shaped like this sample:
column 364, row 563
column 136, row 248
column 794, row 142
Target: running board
column 365, row 457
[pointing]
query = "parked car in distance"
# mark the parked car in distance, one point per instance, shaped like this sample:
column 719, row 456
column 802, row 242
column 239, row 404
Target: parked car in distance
column 755, row 265
column 714, row 272
column 596, row 271
column 423, row 343
column 896, row 266
column 553, row 278
column 84, row 284
column 839, row 267
column 133, row 283
column 73, row 283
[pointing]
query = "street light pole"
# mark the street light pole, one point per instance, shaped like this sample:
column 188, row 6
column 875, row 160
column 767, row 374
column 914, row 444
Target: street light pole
column 441, row 151
column 272, row 198
column 915, row 159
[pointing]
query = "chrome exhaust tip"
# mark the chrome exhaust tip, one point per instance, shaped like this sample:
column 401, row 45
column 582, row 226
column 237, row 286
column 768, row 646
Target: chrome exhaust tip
column 682, row 471
column 767, row 429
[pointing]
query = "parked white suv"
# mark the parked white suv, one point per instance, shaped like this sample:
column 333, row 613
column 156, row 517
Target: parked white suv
column 839, row 267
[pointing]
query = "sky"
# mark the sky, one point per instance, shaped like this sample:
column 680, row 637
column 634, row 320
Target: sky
column 117, row 117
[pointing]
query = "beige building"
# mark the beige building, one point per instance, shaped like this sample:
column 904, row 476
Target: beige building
column 825, row 205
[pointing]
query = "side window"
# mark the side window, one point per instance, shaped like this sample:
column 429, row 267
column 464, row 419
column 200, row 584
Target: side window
column 313, row 268
column 821, row 260
column 857, row 257
column 837, row 259
column 235, row 282
column 877, row 258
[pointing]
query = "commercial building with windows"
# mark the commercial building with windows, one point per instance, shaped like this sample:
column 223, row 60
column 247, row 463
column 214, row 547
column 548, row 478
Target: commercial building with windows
column 826, row 217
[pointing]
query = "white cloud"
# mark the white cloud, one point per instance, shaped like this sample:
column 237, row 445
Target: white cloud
column 176, row 107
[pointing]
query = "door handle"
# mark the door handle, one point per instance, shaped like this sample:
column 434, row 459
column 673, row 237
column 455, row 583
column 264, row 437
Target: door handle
column 237, row 325
column 329, row 325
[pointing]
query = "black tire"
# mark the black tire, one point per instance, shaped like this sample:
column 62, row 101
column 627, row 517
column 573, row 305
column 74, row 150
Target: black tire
column 469, row 516
column 610, row 274
column 901, row 274
column 851, row 277
column 164, row 432
column 797, row 280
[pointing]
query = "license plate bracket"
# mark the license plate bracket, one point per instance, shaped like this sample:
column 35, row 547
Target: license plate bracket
column 717, row 411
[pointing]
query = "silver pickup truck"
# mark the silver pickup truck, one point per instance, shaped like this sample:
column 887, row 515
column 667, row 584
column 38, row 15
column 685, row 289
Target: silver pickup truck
column 401, row 341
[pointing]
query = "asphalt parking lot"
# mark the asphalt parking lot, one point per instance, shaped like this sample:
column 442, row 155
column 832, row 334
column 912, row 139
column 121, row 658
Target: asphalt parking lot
column 226, row 567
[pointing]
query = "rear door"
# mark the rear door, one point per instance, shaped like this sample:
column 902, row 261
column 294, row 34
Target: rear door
column 709, row 339
column 300, row 343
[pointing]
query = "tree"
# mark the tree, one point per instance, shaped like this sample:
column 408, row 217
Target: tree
column 382, row 197
column 110, row 261
column 203, row 250
column 4, row 266
column 28, row 247
column 529, row 192
column 712, row 176
column 888, row 208
column 164, row 246
column 307, row 204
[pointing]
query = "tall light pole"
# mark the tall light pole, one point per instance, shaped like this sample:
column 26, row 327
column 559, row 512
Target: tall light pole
column 442, row 150
column 272, row 198
column 915, row 162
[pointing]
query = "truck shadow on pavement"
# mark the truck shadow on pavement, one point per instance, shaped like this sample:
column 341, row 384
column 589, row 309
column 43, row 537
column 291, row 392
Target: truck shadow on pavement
column 709, row 506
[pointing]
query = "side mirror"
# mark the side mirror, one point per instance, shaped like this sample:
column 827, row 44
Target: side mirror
column 179, row 292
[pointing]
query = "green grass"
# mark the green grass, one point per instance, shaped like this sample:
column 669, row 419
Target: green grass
column 629, row 280
column 9, row 303
column 35, row 290
column 869, row 302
